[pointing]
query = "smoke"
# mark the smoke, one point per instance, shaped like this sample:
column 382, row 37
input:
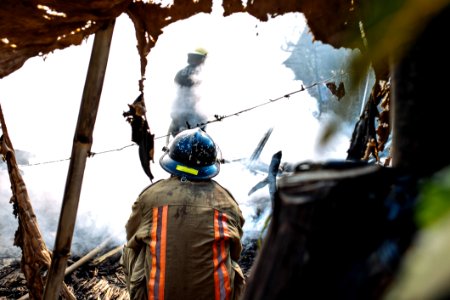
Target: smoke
column 187, row 110
column 6, row 217
column 244, row 68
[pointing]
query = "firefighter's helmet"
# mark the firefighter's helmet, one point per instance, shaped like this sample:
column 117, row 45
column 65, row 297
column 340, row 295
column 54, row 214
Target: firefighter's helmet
column 201, row 51
column 197, row 57
column 193, row 155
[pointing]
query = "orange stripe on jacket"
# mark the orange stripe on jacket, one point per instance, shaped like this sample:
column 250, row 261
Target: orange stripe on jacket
column 152, row 279
column 163, row 252
column 158, row 236
column 221, row 276
column 215, row 256
column 225, row 255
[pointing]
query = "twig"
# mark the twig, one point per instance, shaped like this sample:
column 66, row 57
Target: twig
column 86, row 258
column 100, row 259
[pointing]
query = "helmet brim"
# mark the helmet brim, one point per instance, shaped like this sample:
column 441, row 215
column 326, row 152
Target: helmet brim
column 177, row 169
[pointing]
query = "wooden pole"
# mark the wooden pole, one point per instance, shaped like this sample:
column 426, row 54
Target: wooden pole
column 81, row 149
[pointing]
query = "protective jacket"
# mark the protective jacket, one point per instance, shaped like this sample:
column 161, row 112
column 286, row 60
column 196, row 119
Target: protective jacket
column 184, row 242
column 186, row 77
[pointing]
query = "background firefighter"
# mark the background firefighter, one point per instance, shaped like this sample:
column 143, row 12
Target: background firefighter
column 186, row 113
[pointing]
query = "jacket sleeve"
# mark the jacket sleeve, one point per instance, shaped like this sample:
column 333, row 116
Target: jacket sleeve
column 235, row 253
column 133, row 223
column 236, row 223
column 236, row 238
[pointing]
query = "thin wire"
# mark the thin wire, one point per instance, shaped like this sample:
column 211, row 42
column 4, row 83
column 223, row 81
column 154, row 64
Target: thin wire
column 262, row 104
column 217, row 119
column 92, row 154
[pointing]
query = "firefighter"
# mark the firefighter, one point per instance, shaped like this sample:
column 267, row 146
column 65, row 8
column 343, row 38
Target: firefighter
column 185, row 111
column 187, row 77
column 184, row 232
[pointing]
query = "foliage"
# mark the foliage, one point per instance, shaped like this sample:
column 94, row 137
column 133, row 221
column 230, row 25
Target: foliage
column 434, row 202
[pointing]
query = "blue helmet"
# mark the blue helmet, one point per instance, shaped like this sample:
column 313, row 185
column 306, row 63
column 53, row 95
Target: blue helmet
column 192, row 154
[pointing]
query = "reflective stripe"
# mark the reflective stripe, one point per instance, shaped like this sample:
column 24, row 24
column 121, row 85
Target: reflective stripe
column 158, row 252
column 162, row 260
column 187, row 170
column 221, row 276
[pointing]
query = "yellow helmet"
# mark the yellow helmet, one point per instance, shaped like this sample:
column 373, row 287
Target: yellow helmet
column 201, row 51
column 197, row 57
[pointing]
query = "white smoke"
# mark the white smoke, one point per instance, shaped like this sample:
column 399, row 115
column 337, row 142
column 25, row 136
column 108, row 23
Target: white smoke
column 244, row 68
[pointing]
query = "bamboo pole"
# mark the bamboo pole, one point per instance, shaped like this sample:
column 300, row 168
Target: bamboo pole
column 81, row 149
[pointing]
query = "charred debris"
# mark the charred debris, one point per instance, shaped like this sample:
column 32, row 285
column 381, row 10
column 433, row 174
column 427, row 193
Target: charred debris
column 96, row 275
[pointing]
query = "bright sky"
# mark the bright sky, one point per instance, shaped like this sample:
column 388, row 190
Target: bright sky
column 244, row 68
